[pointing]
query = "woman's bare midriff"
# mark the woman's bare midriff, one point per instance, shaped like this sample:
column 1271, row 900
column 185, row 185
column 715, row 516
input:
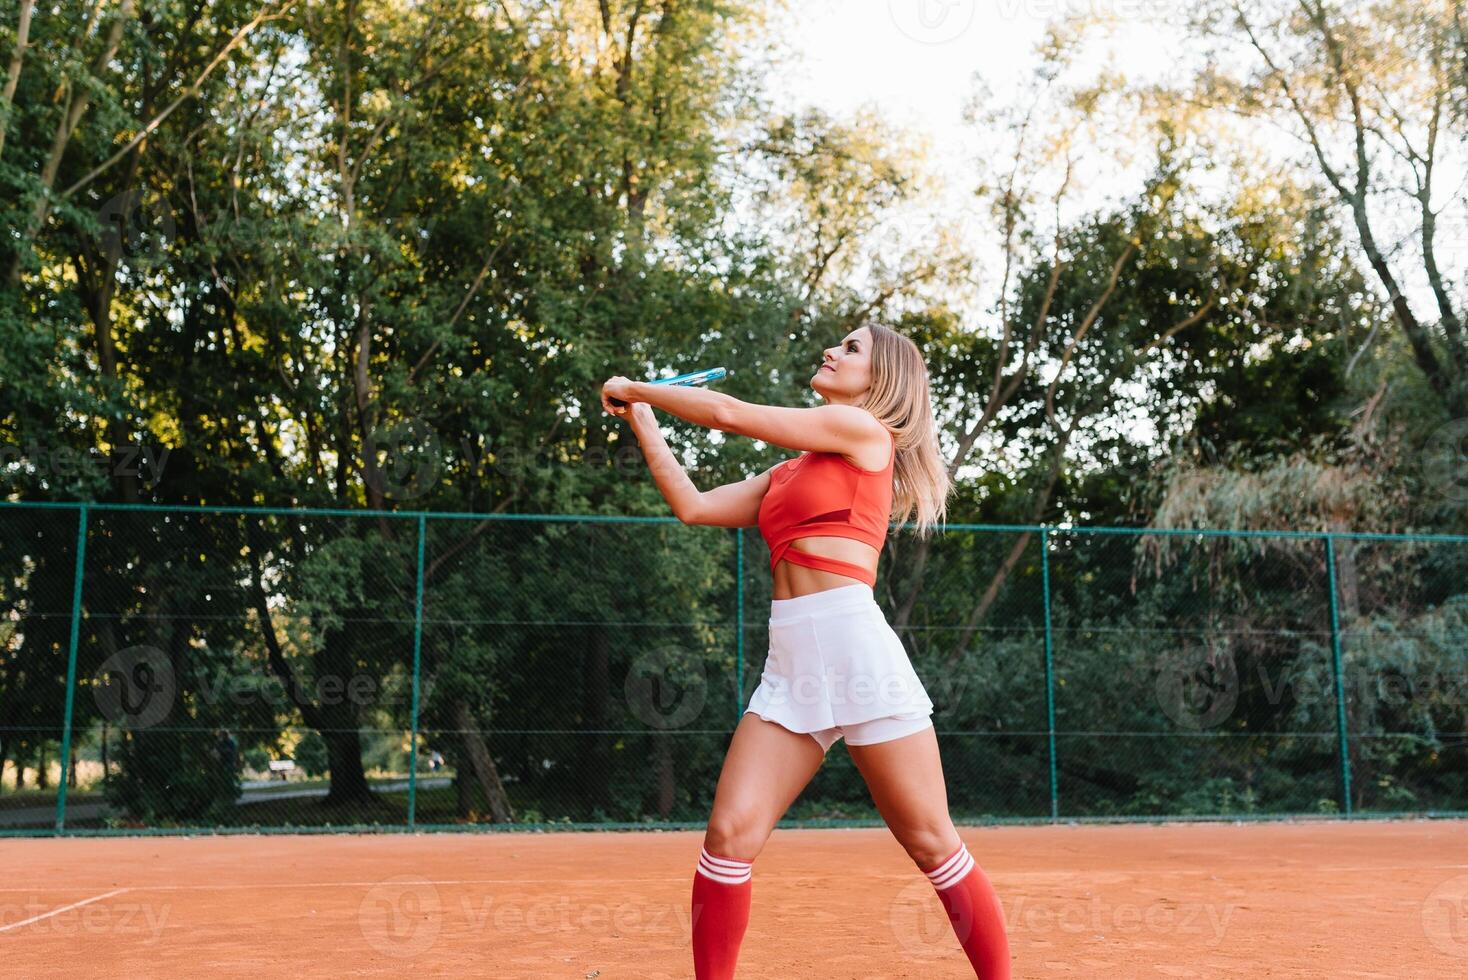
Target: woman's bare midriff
column 793, row 580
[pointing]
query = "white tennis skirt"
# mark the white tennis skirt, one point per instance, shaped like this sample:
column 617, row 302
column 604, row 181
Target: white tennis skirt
column 834, row 660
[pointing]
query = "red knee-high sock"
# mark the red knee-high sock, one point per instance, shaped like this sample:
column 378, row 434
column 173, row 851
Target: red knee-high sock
column 974, row 910
column 721, row 893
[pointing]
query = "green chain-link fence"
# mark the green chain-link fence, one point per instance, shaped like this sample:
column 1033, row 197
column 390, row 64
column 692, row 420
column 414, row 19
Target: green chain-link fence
column 208, row 669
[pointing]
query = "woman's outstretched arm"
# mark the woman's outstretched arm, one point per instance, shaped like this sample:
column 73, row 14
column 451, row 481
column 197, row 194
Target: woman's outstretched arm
column 730, row 505
column 673, row 482
column 823, row 429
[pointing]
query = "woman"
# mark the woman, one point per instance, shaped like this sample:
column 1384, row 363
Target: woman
column 835, row 668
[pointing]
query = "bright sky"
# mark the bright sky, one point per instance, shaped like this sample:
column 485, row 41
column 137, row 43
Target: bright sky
column 914, row 59
column 914, row 62
column 877, row 53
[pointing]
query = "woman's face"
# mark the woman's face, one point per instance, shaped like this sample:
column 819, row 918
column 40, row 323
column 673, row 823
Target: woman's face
column 845, row 372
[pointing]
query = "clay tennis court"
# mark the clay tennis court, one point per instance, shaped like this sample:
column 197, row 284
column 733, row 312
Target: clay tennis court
column 1299, row 899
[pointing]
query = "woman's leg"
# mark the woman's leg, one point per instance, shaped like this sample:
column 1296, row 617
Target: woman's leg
column 764, row 771
column 905, row 778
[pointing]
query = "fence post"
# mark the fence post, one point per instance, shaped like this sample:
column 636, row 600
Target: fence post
column 417, row 670
column 1049, row 672
column 1342, row 738
column 76, row 624
column 739, row 622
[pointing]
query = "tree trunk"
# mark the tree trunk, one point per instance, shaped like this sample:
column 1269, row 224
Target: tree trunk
column 481, row 763
column 78, row 101
column 42, row 780
column 1348, row 582
column 463, row 798
column 1419, row 337
column 337, row 722
column 12, row 76
column 344, row 759
column 98, row 290
column 35, row 674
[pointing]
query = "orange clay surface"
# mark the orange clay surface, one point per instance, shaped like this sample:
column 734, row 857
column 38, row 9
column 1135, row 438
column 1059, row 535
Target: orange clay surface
column 1306, row 899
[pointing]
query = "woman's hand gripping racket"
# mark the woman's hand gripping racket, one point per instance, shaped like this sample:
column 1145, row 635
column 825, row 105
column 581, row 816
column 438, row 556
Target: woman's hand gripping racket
column 694, row 378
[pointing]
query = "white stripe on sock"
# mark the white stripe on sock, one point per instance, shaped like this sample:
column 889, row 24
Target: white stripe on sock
column 714, row 874
column 728, row 871
column 956, row 874
column 954, row 860
column 733, row 865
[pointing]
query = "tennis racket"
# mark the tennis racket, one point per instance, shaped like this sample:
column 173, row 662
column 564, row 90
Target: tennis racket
column 693, row 378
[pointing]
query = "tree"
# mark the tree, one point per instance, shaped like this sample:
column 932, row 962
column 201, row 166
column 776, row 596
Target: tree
column 1373, row 95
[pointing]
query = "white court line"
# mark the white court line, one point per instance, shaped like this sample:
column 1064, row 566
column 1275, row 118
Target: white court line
column 64, row 908
column 770, row 876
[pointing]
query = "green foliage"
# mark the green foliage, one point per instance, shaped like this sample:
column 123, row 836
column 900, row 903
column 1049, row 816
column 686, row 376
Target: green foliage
column 170, row 776
column 310, row 755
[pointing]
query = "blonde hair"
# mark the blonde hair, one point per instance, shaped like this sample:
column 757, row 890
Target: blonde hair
column 899, row 397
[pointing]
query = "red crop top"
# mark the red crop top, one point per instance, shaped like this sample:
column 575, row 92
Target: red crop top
column 821, row 494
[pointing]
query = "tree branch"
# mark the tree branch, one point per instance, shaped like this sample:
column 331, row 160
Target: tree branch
column 188, row 93
column 12, row 76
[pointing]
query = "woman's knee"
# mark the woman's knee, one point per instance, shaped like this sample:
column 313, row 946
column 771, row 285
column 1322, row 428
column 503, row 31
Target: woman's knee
column 735, row 835
column 928, row 845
